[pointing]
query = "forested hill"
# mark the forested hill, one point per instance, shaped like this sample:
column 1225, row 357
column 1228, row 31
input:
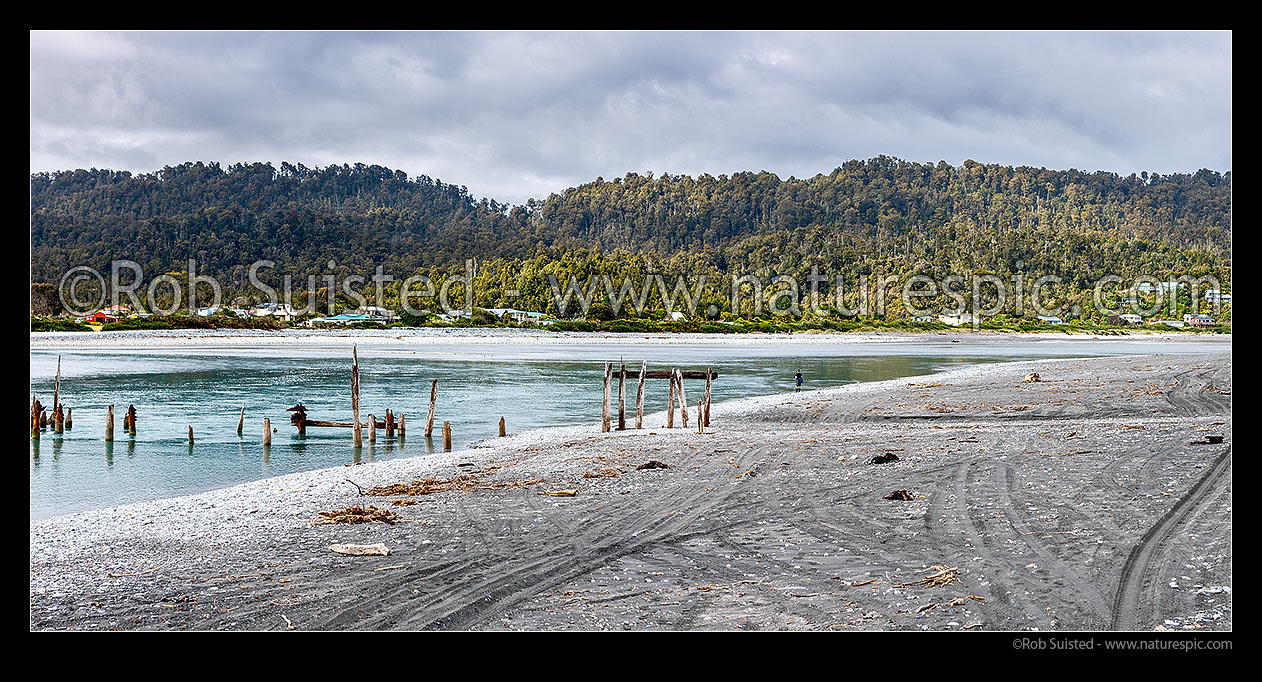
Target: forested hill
column 901, row 215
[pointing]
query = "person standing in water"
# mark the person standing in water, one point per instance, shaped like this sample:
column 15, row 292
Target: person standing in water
column 798, row 380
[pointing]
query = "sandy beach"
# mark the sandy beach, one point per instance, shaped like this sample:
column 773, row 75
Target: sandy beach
column 1078, row 502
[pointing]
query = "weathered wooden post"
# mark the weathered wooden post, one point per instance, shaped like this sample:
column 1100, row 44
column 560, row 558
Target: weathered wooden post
column 59, row 421
column 622, row 396
column 709, row 375
column 683, row 398
column 401, row 426
column 69, row 419
column 670, row 402
column 190, row 434
column 359, row 436
column 503, row 431
column 57, row 387
column 639, row 396
column 131, row 420
column 372, row 428
column 36, row 423
column 447, row 436
column 241, row 421
column 700, row 420
column 604, row 408
column 389, row 423
column 433, row 398
column 267, row 432
column 109, row 424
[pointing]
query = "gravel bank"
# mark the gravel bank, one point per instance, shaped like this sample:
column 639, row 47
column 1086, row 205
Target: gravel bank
column 1073, row 503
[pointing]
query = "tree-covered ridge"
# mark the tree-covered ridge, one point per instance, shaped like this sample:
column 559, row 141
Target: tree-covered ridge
column 883, row 213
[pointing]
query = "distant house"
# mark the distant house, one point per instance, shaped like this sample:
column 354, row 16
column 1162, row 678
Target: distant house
column 675, row 316
column 117, row 311
column 923, row 318
column 1131, row 318
column 1050, row 319
column 1217, row 296
column 517, row 316
column 100, row 317
column 957, row 319
column 281, row 311
column 377, row 313
column 1201, row 321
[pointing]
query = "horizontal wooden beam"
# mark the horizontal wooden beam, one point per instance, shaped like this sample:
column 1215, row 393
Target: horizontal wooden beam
column 665, row 374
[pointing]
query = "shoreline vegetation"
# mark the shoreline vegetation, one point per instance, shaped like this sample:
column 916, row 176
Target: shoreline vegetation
column 1021, row 510
column 766, row 325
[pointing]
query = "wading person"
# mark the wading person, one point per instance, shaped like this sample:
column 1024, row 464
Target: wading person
column 798, row 380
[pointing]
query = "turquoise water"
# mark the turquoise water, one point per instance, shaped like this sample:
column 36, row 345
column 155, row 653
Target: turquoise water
column 530, row 384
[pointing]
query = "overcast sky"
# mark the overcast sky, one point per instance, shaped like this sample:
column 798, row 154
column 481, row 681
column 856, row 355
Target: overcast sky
column 518, row 115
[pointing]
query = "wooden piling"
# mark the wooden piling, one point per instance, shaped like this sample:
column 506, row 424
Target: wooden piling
column 359, row 436
column 59, row 421
column 446, row 436
column 241, row 421
column 683, row 398
column 503, row 431
column 433, row 399
column 267, row 431
column 36, row 420
column 401, row 426
column 69, row 419
column 57, row 386
column 670, row 404
column 639, row 396
column 372, row 428
column 622, row 396
column 604, row 408
column 709, row 377
column 389, row 424
column 131, row 420
column 190, row 434
column 109, row 424
column 700, row 419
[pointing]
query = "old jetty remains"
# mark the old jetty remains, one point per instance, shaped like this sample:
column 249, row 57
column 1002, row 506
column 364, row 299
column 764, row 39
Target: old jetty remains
column 676, row 395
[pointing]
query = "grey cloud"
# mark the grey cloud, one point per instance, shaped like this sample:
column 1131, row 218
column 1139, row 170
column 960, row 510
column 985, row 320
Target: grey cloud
column 512, row 115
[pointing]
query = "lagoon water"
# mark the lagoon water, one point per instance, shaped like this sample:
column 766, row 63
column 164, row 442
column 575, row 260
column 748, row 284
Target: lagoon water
column 532, row 380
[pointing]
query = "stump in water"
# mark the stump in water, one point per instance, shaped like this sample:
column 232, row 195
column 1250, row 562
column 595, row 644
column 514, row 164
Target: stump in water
column 433, row 398
column 604, row 408
column 401, row 426
column 241, row 421
column 359, row 435
column 69, row 419
column 447, row 436
column 622, row 397
column 109, row 424
column 190, row 434
column 372, row 428
column 389, row 424
column 131, row 420
column 639, row 396
column 267, row 431
column 503, row 432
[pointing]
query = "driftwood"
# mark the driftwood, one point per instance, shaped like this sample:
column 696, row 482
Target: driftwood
column 378, row 549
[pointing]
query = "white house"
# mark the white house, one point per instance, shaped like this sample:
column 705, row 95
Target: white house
column 1132, row 318
column 675, row 316
column 922, row 318
column 1217, row 296
column 281, row 311
column 1050, row 319
column 957, row 319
